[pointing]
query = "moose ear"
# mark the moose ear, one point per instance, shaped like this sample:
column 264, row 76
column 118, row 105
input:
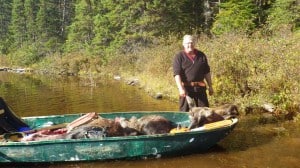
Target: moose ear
column 190, row 101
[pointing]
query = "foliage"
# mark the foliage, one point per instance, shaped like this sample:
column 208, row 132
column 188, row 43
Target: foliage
column 283, row 13
column 99, row 28
column 18, row 24
column 255, row 69
column 5, row 18
column 235, row 16
column 140, row 38
column 246, row 71
column 81, row 30
column 25, row 56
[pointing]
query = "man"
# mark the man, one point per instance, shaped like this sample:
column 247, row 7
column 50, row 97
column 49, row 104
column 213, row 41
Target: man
column 191, row 68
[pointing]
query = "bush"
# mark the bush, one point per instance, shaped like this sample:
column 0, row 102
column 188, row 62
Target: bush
column 25, row 56
column 245, row 70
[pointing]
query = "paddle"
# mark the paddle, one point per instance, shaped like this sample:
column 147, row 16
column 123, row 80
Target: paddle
column 215, row 125
column 82, row 120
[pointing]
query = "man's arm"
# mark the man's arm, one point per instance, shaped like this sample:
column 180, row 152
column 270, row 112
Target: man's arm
column 179, row 85
column 209, row 83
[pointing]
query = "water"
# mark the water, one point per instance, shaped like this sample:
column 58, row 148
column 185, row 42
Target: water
column 44, row 95
column 249, row 145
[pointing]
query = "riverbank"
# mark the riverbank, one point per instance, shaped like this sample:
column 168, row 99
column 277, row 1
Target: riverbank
column 249, row 72
column 36, row 95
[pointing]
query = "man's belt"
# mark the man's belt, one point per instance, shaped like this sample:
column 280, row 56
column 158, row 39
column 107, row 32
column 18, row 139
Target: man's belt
column 200, row 83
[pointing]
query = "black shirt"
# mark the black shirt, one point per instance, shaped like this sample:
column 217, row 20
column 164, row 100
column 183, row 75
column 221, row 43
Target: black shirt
column 191, row 70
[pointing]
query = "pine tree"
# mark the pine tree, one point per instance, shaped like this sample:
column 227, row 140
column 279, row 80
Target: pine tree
column 284, row 13
column 117, row 26
column 127, row 24
column 66, row 13
column 31, row 8
column 81, row 32
column 235, row 16
column 18, row 24
column 5, row 18
column 49, row 26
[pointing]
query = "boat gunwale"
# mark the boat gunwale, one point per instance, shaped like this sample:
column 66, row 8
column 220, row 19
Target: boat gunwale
column 104, row 113
column 119, row 138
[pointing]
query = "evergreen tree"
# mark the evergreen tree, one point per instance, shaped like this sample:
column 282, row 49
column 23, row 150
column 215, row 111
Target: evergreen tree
column 49, row 26
column 235, row 16
column 66, row 13
column 284, row 13
column 192, row 15
column 115, row 24
column 262, row 11
column 18, row 24
column 131, row 23
column 81, row 32
column 104, row 27
column 31, row 8
column 5, row 18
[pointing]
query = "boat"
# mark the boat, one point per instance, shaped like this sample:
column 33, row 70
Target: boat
column 114, row 148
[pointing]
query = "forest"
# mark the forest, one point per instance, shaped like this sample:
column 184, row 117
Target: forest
column 252, row 45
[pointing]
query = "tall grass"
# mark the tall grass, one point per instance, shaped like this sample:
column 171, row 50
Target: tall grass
column 245, row 70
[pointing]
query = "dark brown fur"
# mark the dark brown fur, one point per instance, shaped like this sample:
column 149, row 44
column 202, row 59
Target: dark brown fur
column 112, row 128
column 154, row 124
column 226, row 110
column 202, row 115
column 107, row 127
column 148, row 125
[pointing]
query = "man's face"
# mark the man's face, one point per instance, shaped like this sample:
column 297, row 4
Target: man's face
column 188, row 46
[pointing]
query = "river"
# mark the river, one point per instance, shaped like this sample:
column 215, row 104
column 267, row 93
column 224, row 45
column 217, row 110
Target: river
column 250, row 145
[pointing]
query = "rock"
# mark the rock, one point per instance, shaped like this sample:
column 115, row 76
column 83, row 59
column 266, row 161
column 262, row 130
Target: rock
column 133, row 82
column 269, row 107
column 291, row 115
column 158, row 96
column 116, row 77
column 279, row 129
column 267, row 118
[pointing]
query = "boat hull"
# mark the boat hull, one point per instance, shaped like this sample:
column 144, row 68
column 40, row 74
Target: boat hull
column 111, row 148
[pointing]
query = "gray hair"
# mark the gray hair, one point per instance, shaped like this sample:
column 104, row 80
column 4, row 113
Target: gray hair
column 188, row 39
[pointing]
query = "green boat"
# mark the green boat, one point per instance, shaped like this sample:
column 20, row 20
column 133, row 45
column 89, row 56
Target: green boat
column 112, row 148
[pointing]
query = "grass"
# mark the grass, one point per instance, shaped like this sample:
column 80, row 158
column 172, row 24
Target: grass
column 247, row 71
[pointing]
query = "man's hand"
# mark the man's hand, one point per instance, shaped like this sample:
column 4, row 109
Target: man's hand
column 210, row 91
column 182, row 92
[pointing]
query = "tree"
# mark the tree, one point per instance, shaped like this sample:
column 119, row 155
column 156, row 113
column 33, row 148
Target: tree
column 51, row 24
column 18, row 27
column 284, row 13
column 66, row 13
column 81, row 31
column 127, row 24
column 235, row 16
column 5, row 18
column 262, row 7
column 30, row 9
column 116, row 25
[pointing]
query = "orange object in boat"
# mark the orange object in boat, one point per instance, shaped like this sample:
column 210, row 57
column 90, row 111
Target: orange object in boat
column 179, row 129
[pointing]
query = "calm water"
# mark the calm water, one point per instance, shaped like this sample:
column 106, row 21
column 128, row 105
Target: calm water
column 249, row 145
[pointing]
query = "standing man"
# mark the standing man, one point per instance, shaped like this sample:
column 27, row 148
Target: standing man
column 191, row 68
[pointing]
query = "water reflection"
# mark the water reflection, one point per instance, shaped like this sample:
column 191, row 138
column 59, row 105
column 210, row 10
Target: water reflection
column 249, row 145
column 40, row 95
